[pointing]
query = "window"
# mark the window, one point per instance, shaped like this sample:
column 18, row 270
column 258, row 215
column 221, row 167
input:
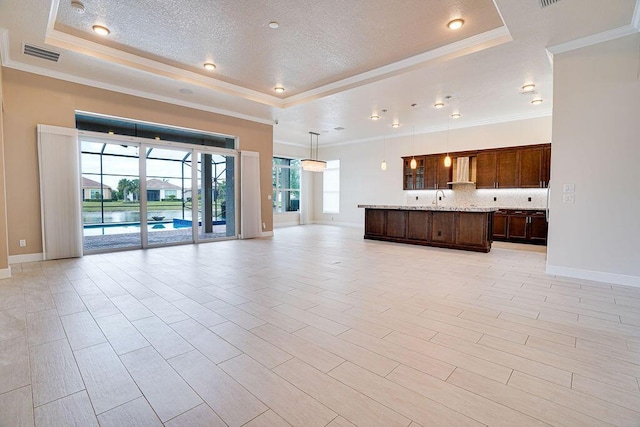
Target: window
column 96, row 194
column 286, row 185
column 331, row 187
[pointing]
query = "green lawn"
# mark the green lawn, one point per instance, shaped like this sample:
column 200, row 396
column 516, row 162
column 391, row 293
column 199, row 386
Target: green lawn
column 120, row 205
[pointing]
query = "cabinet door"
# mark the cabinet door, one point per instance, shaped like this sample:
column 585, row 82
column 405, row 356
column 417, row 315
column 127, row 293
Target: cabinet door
column 530, row 167
column 471, row 229
column 408, row 181
column 419, row 173
column 538, row 228
column 396, row 224
column 374, row 222
column 442, row 226
column 431, row 174
column 443, row 174
column 500, row 225
column 486, row 170
column 517, row 225
column 507, row 171
column 418, row 225
column 546, row 166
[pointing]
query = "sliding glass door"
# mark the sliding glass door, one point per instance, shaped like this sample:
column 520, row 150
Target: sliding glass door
column 146, row 194
column 110, row 196
column 168, row 195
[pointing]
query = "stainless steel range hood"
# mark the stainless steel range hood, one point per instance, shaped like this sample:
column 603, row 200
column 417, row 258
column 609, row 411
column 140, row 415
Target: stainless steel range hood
column 464, row 171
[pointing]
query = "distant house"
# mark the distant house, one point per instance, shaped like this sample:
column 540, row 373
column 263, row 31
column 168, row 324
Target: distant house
column 158, row 190
column 91, row 190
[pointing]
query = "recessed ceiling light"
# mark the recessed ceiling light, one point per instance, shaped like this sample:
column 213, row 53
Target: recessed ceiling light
column 536, row 101
column 77, row 6
column 528, row 87
column 185, row 91
column 210, row 66
column 439, row 104
column 375, row 117
column 456, row 24
column 99, row 29
column 456, row 115
column 278, row 89
column 274, row 25
column 395, row 125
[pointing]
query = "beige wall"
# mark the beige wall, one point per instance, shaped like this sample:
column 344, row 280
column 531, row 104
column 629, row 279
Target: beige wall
column 31, row 99
column 596, row 147
column 4, row 250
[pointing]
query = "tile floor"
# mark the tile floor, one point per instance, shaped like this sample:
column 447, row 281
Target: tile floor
column 315, row 327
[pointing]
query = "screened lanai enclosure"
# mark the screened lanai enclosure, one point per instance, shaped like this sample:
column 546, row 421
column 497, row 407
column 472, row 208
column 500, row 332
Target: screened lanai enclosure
column 139, row 194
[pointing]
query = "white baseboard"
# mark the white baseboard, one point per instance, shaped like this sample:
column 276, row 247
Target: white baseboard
column 266, row 234
column 340, row 224
column 285, row 224
column 5, row 273
column 19, row 259
column 598, row 276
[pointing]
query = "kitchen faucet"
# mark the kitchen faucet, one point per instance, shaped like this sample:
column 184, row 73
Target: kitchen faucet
column 443, row 196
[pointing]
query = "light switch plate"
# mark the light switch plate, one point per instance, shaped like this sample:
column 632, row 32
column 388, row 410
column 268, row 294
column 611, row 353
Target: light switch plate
column 568, row 198
column 569, row 188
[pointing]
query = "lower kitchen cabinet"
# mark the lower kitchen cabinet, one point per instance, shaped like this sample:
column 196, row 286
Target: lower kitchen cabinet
column 520, row 226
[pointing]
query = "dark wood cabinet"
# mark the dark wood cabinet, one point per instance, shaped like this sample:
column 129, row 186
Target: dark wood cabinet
column 447, row 229
column 500, row 224
column 437, row 176
column 510, row 167
column 507, row 169
column 520, row 226
column 486, row 169
column 414, row 179
column 418, row 225
column 442, row 227
column 530, row 166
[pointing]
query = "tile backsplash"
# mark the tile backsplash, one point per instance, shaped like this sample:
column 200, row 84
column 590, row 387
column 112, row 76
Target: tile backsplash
column 467, row 195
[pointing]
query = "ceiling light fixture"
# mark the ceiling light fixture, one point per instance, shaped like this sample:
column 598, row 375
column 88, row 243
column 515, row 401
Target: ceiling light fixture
column 77, row 6
column 209, row 66
column 528, row 87
column 456, row 115
column 439, row 105
column 537, row 101
column 185, row 91
column 102, row 30
column 375, row 117
column 456, row 24
column 278, row 89
column 395, row 125
column 274, row 25
column 311, row 164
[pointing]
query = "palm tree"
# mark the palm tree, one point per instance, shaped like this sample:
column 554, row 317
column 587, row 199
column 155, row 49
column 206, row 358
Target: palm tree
column 123, row 188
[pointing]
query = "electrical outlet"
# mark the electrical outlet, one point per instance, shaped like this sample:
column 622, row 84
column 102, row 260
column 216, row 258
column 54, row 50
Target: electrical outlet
column 528, row 199
column 23, row 243
column 416, row 197
column 268, row 196
column 568, row 198
column 495, row 199
column 569, row 188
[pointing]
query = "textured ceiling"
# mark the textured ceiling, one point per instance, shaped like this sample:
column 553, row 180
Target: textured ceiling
column 318, row 42
column 484, row 76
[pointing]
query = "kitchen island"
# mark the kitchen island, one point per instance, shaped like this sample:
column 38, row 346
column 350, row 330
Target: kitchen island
column 467, row 228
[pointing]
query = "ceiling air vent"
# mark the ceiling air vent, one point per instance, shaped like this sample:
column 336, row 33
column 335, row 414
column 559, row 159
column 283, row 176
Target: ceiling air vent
column 38, row 52
column 338, row 128
column 545, row 3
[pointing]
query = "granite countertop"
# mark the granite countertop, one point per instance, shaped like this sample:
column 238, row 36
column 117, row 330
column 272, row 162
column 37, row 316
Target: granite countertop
column 432, row 208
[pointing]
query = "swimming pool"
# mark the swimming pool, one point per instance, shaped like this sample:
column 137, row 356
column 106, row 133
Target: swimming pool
column 110, row 229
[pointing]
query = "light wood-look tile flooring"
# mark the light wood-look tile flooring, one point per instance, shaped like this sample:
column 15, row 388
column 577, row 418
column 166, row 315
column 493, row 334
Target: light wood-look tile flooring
column 315, row 327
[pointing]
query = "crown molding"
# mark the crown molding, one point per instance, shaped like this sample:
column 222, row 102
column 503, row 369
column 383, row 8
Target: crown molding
column 604, row 36
column 451, row 51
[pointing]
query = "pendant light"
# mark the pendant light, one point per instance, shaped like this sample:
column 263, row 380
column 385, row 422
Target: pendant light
column 413, row 163
column 383, row 165
column 311, row 164
column 447, row 159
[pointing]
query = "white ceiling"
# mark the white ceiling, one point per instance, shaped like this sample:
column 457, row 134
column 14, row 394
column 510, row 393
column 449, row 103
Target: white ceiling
column 340, row 62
